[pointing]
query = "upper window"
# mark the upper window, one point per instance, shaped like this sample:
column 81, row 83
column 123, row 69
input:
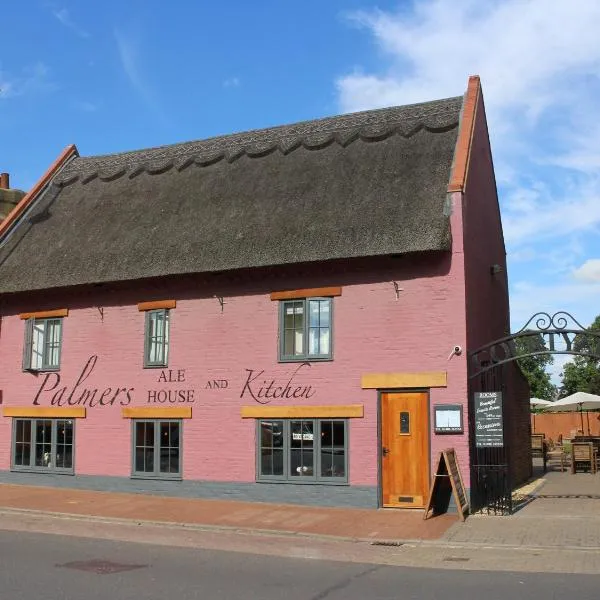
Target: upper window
column 43, row 338
column 305, row 329
column 313, row 450
column 156, row 344
column 43, row 445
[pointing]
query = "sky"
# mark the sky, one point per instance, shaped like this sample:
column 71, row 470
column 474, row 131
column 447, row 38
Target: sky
column 115, row 76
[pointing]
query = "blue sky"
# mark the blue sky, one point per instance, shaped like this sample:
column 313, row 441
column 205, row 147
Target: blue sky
column 117, row 75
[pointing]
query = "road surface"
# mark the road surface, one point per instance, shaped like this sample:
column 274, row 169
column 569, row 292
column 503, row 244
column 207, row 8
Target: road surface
column 35, row 566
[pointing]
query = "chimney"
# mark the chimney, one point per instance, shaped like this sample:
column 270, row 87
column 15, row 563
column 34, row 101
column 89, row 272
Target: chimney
column 8, row 198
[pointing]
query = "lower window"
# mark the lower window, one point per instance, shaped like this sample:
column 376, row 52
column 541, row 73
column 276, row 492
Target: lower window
column 311, row 450
column 157, row 449
column 44, row 445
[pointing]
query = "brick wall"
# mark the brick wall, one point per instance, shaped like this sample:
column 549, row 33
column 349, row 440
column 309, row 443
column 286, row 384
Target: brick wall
column 373, row 332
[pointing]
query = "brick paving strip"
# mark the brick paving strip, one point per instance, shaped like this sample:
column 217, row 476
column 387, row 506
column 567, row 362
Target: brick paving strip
column 343, row 523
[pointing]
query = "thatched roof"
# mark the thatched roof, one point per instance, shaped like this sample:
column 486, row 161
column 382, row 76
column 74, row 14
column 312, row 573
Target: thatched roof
column 363, row 184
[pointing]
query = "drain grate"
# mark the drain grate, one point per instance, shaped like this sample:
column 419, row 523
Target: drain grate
column 585, row 496
column 455, row 559
column 387, row 543
column 101, row 567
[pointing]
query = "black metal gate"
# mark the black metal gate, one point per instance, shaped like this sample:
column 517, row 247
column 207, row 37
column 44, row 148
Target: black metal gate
column 492, row 481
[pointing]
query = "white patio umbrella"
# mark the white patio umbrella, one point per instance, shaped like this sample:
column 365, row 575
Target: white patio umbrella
column 539, row 403
column 578, row 401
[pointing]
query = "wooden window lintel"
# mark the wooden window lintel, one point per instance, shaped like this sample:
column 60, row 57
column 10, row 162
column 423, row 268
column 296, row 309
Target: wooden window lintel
column 324, row 292
column 45, row 314
column 156, row 305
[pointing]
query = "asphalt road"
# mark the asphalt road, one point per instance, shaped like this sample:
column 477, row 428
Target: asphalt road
column 46, row 566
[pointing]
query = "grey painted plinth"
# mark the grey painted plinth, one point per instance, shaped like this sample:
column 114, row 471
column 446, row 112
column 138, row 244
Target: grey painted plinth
column 312, row 495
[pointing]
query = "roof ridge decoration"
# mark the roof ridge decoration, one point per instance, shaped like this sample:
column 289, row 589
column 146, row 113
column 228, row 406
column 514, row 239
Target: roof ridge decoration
column 368, row 127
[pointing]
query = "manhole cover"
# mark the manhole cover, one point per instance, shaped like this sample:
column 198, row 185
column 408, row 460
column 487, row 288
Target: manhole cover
column 101, row 567
column 456, row 559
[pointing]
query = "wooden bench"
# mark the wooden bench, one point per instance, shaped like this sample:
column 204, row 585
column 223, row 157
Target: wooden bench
column 583, row 454
column 539, row 448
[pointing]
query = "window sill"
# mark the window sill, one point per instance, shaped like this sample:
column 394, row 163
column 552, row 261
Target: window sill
column 41, row 470
column 46, row 370
column 305, row 482
column 156, row 477
column 304, row 359
column 156, row 366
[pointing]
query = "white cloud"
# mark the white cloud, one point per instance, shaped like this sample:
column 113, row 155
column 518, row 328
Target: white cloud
column 578, row 298
column 128, row 47
column 64, row 17
column 519, row 47
column 540, row 214
column 232, row 82
column 33, row 79
column 588, row 271
column 85, row 106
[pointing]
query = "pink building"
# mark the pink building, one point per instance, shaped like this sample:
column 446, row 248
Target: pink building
column 278, row 315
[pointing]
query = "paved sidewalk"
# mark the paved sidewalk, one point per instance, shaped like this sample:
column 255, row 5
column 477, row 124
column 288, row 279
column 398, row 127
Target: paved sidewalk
column 343, row 523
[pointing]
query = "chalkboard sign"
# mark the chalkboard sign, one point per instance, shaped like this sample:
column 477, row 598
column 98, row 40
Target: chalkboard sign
column 447, row 482
column 489, row 429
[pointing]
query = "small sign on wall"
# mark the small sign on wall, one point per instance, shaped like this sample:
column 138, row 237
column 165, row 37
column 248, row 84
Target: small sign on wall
column 448, row 418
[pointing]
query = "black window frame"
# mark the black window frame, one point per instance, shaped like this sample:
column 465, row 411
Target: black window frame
column 156, row 472
column 305, row 356
column 166, row 341
column 32, row 467
column 27, row 364
column 316, row 478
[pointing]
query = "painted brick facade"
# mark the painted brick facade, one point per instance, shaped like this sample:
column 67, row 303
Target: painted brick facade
column 373, row 332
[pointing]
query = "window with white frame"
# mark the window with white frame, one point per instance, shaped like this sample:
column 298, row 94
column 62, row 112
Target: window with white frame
column 43, row 339
column 305, row 327
column 44, row 445
column 156, row 339
column 302, row 450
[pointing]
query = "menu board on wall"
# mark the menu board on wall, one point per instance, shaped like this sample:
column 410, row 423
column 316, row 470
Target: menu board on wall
column 489, row 427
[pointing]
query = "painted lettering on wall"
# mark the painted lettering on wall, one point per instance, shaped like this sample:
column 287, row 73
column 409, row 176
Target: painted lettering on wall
column 264, row 391
column 80, row 395
column 166, row 396
column 217, row 384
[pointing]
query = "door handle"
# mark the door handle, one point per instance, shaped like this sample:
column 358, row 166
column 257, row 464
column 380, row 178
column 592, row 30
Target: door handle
column 385, row 451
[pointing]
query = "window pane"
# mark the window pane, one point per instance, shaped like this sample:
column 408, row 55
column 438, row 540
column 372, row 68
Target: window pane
column 37, row 349
column 43, row 444
column 52, row 344
column 23, row 443
column 158, row 337
column 144, row 446
column 169, row 447
column 64, row 444
column 301, row 448
column 293, row 333
column 271, row 448
column 319, row 330
column 333, row 449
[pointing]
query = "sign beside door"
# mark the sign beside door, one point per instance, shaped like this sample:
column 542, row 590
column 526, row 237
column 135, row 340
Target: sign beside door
column 405, row 449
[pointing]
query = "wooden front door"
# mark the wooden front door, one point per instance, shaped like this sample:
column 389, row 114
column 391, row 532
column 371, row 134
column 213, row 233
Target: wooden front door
column 405, row 449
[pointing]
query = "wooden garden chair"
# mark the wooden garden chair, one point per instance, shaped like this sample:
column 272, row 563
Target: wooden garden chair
column 584, row 454
column 538, row 447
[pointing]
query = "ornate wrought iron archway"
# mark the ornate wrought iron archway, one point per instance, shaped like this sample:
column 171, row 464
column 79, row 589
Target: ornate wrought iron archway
column 559, row 333
column 543, row 334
